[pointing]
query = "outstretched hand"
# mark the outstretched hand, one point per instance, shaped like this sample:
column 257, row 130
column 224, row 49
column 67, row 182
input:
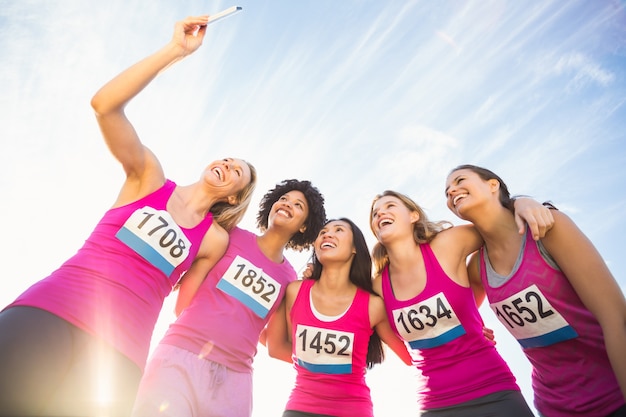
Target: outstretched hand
column 189, row 33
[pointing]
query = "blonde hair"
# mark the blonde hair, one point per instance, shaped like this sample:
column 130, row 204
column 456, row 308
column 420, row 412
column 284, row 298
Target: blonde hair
column 229, row 215
column 424, row 230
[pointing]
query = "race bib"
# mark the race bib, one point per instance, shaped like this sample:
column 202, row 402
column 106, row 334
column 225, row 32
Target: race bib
column 155, row 236
column 248, row 284
column 324, row 350
column 429, row 323
column 530, row 317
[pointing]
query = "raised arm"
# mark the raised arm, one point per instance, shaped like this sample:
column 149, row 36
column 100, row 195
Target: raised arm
column 143, row 171
column 584, row 267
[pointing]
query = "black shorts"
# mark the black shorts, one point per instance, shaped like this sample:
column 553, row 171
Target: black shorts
column 293, row 413
column 52, row 368
column 502, row 403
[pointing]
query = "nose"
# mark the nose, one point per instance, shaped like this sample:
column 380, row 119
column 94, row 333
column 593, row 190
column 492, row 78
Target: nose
column 450, row 191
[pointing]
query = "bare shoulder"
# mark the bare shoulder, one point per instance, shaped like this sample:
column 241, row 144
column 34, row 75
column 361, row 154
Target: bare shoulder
column 377, row 301
column 377, row 283
column 376, row 309
column 293, row 288
column 455, row 232
column 563, row 230
column 216, row 229
column 463, row 240
column 215, row 241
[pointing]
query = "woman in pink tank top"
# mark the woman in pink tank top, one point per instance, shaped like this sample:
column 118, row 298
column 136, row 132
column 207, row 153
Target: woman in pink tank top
column 556, row 296
column 331, row 326
column 203, row 365
column 85, row 329
column 421, row 274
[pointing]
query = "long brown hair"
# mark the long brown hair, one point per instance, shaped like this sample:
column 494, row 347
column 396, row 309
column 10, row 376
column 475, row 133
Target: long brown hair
column 361, row 276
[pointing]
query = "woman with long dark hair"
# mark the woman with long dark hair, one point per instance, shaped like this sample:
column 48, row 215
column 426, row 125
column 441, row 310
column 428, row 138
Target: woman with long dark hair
column 332, row 328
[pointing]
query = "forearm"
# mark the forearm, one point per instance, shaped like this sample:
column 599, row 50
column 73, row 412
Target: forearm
column 615, row 343
column 277, row 337
column 280, row 351
column 115, row 94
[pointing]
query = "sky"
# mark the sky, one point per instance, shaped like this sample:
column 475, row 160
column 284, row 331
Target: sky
column 356, row 96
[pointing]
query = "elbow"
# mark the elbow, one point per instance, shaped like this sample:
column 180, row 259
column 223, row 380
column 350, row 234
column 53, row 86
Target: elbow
column 96, row 104
column 276, row 353
column 103, row 106
column 272, row 351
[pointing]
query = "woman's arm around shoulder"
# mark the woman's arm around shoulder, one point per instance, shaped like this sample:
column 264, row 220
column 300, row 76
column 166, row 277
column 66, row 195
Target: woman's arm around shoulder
column 380, row 324
column 452, row 247
column 473, row 273
column 595, row 285
column 458, row 241
column 538, row 217
column 216, row 242
column 278, row 333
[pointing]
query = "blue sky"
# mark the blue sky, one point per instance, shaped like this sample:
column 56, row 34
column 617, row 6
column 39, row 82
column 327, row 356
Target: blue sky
column 356, row 96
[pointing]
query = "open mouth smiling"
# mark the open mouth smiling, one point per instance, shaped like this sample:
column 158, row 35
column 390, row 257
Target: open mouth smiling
column 457, row 198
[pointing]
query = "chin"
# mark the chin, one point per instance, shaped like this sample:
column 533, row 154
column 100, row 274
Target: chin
column 459, row 213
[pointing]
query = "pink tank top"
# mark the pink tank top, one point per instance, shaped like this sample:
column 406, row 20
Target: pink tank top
column 443, row 327
column 563, row 341
column 233, row 304
column 115, row 285
column 330, row 358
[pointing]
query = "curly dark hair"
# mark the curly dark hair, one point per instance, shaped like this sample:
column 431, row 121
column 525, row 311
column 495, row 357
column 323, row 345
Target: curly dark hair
column 315, row 220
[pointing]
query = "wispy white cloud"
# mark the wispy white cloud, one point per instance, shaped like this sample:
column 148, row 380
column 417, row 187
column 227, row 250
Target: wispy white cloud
column 357, row 96
column 582, row 71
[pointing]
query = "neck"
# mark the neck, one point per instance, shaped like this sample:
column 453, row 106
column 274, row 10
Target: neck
column 336, row 275
column 403, row 254
column 197, row 198
column 272, row 243
column 335, row 281
column 496, row 227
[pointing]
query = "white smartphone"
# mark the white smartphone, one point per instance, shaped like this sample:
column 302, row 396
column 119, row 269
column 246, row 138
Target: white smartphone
column 224, row 13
